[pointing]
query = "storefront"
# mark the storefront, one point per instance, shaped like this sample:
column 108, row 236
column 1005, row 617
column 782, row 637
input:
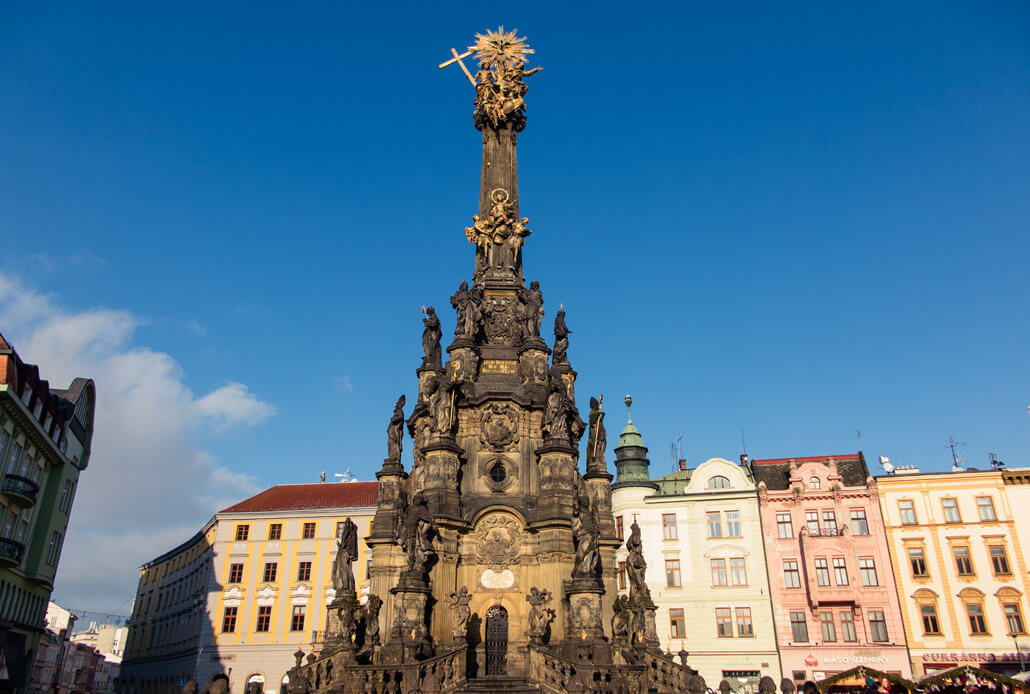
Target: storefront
column 802, row 665
column 933, row 662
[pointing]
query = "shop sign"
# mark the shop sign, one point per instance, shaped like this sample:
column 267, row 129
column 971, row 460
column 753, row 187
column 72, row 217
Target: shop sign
column 856, row 659
column 969, row 657
column 811, row 661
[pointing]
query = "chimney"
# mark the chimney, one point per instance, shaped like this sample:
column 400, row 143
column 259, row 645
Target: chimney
column 743, row 459
column 683, row 463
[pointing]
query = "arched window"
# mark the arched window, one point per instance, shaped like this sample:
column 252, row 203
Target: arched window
column 284, row 686
column 926, row 599
column 974, row 602
column 718, row 482
column 256, row 680
column 814, row 483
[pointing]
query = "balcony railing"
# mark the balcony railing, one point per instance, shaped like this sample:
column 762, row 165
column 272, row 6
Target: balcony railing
column 828, row 532
column 11, row 551
column 20, row 489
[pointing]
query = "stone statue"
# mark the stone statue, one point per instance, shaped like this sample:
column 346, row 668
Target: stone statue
column 498, row 236
column 558, row 412
column 460, row 613
column 441, row 392
column 636, row 567
column 416, row 536
column 467, row 310
column 621, row 619
column 346, row 553
column 395, row 431
column 533, row 308
column 431, row 339
column 500, row 81
column 585, row 533
column 371, row 619
column 561, row 339
column 597, row 442
column 540, row 615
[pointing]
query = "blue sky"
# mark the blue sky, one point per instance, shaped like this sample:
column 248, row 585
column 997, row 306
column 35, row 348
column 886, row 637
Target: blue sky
column 806, row 220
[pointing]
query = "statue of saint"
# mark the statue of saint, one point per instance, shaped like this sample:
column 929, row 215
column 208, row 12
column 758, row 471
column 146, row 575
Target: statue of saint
column 533, row 302
column 431, row 339
column 460, row 613
column 540, row 615
column 622, row 619
column 371, row 620
column 416, row 536
column 346, row 553
column 585, row 533
column 395, row 431
column 441, row 392
column 597, row 442
column 557, row 411
column 561, row 339
column 635, row 564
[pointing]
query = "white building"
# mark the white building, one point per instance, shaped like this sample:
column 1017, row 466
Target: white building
column 706, row 567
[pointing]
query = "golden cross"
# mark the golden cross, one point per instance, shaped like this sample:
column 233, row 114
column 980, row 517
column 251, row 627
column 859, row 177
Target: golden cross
column 457, row 59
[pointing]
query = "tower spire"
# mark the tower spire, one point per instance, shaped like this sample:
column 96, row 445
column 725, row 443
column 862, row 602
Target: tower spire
column 500, row 114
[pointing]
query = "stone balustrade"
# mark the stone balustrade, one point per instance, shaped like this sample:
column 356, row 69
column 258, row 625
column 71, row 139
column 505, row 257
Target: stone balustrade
column 438, row 675
column 558, row 675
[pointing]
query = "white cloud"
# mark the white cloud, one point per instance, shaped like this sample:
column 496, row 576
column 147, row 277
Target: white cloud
column 149, row 484
column 233, row 404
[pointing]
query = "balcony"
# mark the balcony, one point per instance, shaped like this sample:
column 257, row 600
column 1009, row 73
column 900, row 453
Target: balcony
column 11, row 552
column 21, row 490
column 829, row 532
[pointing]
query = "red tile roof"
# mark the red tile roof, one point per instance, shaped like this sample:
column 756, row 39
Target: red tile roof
column 809, row 459
column 301, row 497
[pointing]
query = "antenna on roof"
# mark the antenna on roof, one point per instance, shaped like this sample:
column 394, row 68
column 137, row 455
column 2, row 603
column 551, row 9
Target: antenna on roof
column 956, row 459
column 742, row 441
column 345, row 476
column 995, row 463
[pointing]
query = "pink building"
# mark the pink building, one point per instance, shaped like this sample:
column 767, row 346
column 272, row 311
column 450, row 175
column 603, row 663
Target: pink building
column 834, row 599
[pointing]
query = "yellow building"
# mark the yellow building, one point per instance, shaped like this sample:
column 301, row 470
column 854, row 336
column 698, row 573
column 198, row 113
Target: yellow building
column 243, row 594
column 959, row 566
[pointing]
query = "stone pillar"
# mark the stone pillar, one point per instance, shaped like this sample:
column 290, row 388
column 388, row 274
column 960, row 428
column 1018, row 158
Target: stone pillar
column 556, row 466
column 584, row 631
column 442, row 460
column 533, row 362
column 341, row 627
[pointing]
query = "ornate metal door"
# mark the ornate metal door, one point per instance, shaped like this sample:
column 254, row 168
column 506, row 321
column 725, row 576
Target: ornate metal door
column 496, row 640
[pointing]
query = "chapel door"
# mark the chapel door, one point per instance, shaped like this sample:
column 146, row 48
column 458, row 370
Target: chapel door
column 496, row 641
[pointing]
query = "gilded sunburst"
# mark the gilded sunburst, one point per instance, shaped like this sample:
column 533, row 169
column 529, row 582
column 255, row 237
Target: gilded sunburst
column 501, row 48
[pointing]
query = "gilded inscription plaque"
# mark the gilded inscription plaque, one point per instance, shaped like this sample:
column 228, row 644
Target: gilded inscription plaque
column 498, row 366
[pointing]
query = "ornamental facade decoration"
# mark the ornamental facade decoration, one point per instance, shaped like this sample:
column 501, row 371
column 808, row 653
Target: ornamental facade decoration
column 498, row 538
column 499, row 425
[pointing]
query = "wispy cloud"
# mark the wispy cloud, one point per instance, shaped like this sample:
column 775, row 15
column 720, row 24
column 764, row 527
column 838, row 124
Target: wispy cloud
column 149, row 483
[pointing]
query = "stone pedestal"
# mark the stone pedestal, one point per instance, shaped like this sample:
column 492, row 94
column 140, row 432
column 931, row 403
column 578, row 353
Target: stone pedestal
column 441, row 461
column 464, row 361
column 557, row 470
column 583, row 597
column 342, row 627
column 533, row 362
column 391, row 487
column 409, row 636
column 644, row 630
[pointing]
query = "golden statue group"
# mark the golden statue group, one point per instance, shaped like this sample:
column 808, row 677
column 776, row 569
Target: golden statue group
column 493, row 555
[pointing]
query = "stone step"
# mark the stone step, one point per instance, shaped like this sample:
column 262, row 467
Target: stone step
column 509, row 685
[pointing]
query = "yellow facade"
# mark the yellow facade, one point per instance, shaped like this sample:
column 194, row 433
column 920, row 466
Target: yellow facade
column 960, row 568
column 240, row 597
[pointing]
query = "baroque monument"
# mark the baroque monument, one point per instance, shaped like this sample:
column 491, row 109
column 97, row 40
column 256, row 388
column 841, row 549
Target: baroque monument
column 493, row 556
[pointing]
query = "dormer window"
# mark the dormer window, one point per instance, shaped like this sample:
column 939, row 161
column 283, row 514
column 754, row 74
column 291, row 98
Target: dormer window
column 26, row 394
column 814, row 483
column 38, row 409
column 719, row 482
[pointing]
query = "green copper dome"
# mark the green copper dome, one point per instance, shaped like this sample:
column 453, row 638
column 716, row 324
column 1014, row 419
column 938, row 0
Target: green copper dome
column 631, row 461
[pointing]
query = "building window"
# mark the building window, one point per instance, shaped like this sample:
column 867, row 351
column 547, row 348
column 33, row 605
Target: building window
column 931, row 626
column 798, row 627
column 917, row 559
column 814, row 483
column 242, row 532
column 977, row 623
column 1000, row 560
column 985, row 506
column 339, row 528
column 840, row 571
column 723, row 622
column 951, row 514
column 229, row 620
column 714, row 524
column 733, row 524
column 304, row 571
column 829, row 522
column 618, row 527
column 672, row 573
column 829, row 630
column 718, row 572
column 235, row 573
column 847, row 626
column 791, row 574
column 877, row 626
column 868, row 569
column 738, row 571
column 264, row 618
column 669, row 526
column 271, row 569
column 718, row 482
column 744, row 626
column 1014, row 617
column 297, row 619
column 963, row 562
column 309, row 531
column 66, row 496
column 908, row 512
column 859, row 524
column 368, row 568
column 822, row 571
column 677, row 625
column 812, row 522
column 622, row 575
column 275, row 531
column 783, row 525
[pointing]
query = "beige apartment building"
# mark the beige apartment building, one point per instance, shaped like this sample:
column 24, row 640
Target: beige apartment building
column 960, row 567
column 248, row 590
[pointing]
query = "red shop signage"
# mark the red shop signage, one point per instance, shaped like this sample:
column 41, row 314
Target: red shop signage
column 968, row 657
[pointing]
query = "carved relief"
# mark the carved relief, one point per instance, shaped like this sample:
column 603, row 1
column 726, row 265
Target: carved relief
column 500, row 322
column 498, row 539
column 499, row 425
